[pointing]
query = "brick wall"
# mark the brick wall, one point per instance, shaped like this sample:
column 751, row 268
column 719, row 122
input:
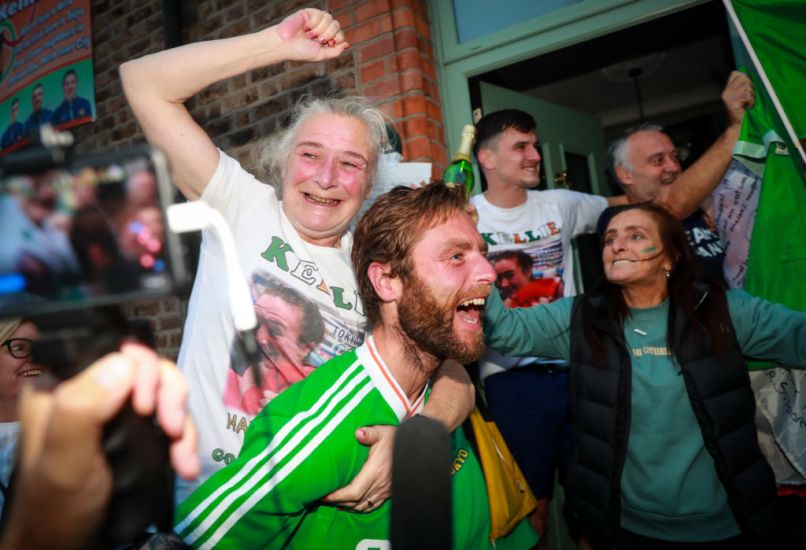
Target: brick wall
column 392, row 48
column 391, row 59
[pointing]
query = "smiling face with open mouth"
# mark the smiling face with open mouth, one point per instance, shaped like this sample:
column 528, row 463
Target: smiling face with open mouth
column 654, row 164
column 16, row 368
column 326, row 177
column 443, row 301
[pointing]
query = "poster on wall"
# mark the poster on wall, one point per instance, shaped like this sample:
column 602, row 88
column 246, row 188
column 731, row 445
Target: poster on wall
column 46, row 64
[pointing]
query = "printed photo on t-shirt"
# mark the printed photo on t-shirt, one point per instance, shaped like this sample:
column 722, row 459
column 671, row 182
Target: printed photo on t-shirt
column 295, row 336
column 520, row 283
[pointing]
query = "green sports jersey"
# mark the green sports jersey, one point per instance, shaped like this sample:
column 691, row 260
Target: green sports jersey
column 302, row 447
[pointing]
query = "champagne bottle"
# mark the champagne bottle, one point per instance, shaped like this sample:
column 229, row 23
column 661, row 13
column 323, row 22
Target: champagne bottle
column 460, row 170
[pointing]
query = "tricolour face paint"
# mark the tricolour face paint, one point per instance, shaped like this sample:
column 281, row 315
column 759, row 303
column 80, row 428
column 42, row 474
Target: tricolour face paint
column 649, row 250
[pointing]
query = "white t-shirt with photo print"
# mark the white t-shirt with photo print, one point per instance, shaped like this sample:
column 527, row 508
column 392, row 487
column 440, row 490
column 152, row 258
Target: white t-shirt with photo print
column 271, row 255
column 543, row 227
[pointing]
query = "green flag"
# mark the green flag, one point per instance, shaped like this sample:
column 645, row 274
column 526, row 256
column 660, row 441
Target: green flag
column 770, row 145
column 773, row 30
column 776, row 265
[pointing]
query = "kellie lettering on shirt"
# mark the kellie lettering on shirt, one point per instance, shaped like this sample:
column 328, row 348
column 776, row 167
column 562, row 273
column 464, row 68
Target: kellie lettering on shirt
column 545, row 231
column 282, row 254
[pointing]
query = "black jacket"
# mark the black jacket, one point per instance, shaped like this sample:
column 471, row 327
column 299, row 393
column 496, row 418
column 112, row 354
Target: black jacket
column 721, row 398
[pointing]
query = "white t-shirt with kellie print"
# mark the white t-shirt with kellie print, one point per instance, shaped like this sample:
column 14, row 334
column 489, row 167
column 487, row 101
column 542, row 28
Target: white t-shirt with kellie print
column 273, row 258
column 543, row 227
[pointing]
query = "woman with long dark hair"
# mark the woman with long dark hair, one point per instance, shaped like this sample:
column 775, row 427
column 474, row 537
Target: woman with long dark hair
column 665, row 444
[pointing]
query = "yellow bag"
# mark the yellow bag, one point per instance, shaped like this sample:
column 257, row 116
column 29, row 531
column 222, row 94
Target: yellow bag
column 510, row 498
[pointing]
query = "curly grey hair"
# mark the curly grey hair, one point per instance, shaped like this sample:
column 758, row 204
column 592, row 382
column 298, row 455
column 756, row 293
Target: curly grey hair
column 278, row 148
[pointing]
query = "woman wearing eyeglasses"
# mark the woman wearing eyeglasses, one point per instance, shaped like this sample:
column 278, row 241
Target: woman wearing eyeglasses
column 16, row 337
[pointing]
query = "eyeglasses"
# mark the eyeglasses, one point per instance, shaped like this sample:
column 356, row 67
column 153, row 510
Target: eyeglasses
column 19, row 348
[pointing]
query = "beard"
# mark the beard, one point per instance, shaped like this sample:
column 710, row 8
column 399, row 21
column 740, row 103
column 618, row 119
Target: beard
column 429, row 324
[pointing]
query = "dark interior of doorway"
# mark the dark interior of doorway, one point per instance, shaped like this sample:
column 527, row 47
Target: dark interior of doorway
column 683, row 60
column 668, row 71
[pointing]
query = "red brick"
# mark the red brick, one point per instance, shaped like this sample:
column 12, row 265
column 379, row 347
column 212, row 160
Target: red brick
column 240, row 100
column 429, row 88
column 402, row 3
column 420, row 8
column 145, row 308
column 417, row 149
column 429, row 69
column 364, row 31
column 388, row 108
column 168, row 322
column 237, row 83
column 388, row 87
column 345, row 17
column 423, row 28
column 433, row 109
column 376, row 49
column 373, row 71
column 299, row 75
column 415, row 105
column 440, row 153
column 336, row 5
column 434, row 131
column 370, row 9
column 409, row 59
column 411, row 81
column 346, row 83
column 397, row 110
column 415, row 126
column 437, row 168
column 386, row 23
column 175, row 340
column 405, row 38
column 403, row 17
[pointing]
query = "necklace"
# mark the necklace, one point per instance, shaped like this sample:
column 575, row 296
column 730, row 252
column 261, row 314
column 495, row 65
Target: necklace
column 652, row 321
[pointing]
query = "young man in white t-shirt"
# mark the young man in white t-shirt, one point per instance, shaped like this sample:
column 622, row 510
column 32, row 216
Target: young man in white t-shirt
column 323, row 165
column 527, row 396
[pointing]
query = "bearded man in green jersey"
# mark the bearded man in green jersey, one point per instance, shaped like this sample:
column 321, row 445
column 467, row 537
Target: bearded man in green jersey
column 423, row 277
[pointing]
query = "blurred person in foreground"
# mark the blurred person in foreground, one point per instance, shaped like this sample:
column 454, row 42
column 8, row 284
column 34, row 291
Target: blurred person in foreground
column 63, row 480
column 424, row 278
column 16, row 368
column 35, row 242
column 665, row 449
column 295, row 230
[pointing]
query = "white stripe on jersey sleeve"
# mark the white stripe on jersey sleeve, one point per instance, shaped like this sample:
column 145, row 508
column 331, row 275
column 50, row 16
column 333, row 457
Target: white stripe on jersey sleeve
column 306, row 451
column 276, row 451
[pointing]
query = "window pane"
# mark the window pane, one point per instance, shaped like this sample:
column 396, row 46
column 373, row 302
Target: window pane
column 475, row 18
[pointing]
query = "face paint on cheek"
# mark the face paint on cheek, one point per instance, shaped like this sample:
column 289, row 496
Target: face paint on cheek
column 649, row 250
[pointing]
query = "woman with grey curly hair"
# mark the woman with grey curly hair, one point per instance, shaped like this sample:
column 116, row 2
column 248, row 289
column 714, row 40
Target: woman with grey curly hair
column 292, row 233
column 279, row 146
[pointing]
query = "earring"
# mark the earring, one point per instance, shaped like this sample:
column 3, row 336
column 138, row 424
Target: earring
column 668, row 274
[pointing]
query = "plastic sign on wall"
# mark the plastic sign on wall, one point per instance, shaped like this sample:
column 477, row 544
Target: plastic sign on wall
column 46, row 68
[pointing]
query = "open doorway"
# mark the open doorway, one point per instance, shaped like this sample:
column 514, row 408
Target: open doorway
column 668, row 71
